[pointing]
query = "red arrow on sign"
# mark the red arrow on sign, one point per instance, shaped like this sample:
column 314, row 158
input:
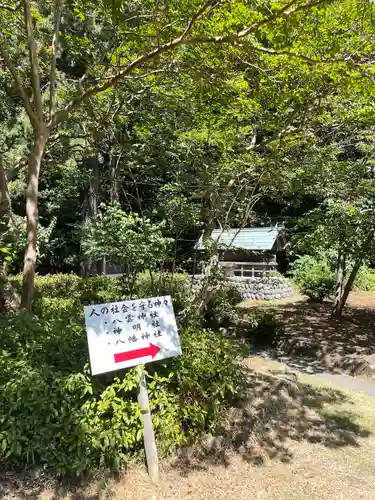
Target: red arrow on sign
column 151, row 350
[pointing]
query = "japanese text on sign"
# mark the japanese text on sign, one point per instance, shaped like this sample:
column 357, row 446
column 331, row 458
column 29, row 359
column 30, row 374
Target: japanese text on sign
column 124, row 334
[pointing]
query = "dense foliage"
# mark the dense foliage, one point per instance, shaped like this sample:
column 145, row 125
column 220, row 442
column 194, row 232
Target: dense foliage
column 314, row 277
column 54, row 414
column 365, row 280
column 126, row 238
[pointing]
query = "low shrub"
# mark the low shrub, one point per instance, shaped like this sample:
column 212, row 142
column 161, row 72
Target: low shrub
column 159, row 284
column 57, row 288
column 221, row 309
column 264, row 330
column 313, row 277
column 54, row 414
column 82, row 290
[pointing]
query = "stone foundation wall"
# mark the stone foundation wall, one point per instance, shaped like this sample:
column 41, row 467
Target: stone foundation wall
column 268, row 288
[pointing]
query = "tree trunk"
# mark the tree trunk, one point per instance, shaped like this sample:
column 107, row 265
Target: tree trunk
column 5, row 209
column 357, row 264
column 5, row 203
column 89, row 265
column 340, row 280
column 29, row 267
column 208, row 216
column 101, row 266
column 114, row 184
column 347, row 288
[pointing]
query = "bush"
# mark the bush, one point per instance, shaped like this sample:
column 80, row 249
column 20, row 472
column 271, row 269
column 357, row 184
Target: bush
column 205, row 379
column 221, row 310
column 313, row 277
column 175, row 285
column 54, row 414
column 81, row 290
column 100, row 289
column 365, row 280
column 264, row 331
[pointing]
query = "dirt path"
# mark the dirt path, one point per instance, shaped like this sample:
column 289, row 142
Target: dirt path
column 362, row 300
column 348, row 382
column 363, row 385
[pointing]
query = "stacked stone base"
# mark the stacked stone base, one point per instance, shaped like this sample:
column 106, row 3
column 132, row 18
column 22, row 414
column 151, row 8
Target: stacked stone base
column 270, row 288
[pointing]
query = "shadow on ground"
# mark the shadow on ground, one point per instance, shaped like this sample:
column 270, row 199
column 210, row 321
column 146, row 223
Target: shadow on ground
column 277, row 412
column 314, row 342
column 281, row 411
column 25, row 485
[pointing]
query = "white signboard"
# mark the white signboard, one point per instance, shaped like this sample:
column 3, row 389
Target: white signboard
column 124, row 334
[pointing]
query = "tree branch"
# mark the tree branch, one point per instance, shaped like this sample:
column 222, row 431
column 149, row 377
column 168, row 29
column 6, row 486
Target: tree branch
column 16, row 167
column 19, row 87
column 137, row 16
column 137, row 77
column 287, row 10
column 9, row 7
column 33, row 58
column 279, row 133
column 55, row 41
column 299, row 56
column 198, row 15
column 284, row 11
column 356, row 65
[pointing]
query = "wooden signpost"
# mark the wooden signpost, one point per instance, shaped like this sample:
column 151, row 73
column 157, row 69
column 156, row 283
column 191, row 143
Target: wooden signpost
column 132, row 333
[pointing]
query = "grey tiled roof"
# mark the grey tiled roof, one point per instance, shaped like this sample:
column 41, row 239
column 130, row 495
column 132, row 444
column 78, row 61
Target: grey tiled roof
column 255, row 238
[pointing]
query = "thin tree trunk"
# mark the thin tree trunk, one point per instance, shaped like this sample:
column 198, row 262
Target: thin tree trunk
column 96, row 264
column 113, row 165
column 55, row 41
column 4, row 193
column 5, row 202
column 7, row 224
column 340, row 280
column 29, row 267
column 5, row 210
column 357, row 264
column 102, row 266
column 89, row 265
column 209, row 216
column 347, row 288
